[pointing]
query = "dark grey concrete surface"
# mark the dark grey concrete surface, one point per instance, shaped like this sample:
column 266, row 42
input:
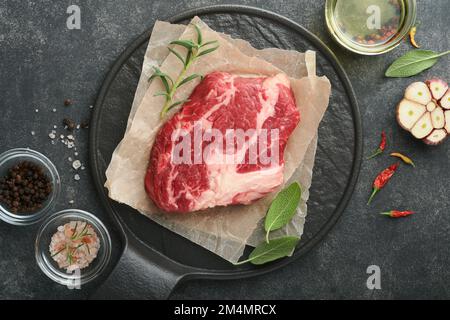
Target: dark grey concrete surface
column 42, row 63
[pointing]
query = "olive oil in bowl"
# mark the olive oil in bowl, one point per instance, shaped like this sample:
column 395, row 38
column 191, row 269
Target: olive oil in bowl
column 370, row 27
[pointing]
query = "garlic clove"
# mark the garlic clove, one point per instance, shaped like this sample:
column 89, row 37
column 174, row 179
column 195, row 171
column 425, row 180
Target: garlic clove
column 437, row 118
column 445, row 101
column 423, row 127
column 431, row 106
column 447, row 121
column 408, row 113
column 437, row 87
column 418, row 92
column 437, row 136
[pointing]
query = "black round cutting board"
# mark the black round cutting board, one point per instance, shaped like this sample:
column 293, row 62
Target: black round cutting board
column 155, row 259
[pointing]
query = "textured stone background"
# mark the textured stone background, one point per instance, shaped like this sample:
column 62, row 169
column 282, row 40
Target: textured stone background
column 42, row 63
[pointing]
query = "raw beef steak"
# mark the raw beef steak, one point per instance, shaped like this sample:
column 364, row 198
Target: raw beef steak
column 212, row 171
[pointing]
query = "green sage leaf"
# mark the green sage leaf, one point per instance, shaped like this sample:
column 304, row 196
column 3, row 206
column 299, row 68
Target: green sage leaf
column 275, row 249
column 282, row 208
column 413, row 62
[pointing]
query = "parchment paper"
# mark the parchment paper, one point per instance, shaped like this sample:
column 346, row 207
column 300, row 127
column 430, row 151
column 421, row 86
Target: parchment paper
column 222, row 230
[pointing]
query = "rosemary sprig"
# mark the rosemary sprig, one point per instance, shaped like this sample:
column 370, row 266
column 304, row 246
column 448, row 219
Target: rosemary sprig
column 71, row 249
column 58, row 252
column 69, row 258
column 71, row 252
column 74, row 230
column 84, row 232
column 195, row 49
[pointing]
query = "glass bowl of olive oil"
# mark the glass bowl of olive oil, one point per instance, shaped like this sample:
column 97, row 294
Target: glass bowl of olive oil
column 370, row 27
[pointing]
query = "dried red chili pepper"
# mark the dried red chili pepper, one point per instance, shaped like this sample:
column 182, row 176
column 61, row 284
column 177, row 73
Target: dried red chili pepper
column 381, row 147
column 397, row 214
column 382, row 179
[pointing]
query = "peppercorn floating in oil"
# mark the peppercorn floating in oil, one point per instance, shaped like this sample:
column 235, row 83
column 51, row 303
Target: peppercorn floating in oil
column 25, row 188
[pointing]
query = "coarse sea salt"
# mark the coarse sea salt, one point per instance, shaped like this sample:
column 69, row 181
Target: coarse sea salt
column 79, row 241
column 76, row 164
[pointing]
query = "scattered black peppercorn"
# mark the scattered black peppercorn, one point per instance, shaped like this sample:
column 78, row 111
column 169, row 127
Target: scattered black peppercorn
column 25, row 188
column 67, row 102
column 69, row 123
column 85, row 124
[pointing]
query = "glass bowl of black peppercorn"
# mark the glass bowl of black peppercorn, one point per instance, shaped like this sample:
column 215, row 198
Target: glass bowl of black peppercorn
column 29, row 186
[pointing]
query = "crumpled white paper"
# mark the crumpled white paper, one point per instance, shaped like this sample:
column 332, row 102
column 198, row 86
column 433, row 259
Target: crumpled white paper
column 223, row 230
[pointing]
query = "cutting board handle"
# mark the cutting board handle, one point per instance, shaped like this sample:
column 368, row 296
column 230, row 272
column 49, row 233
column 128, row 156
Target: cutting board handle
column 141, row 273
